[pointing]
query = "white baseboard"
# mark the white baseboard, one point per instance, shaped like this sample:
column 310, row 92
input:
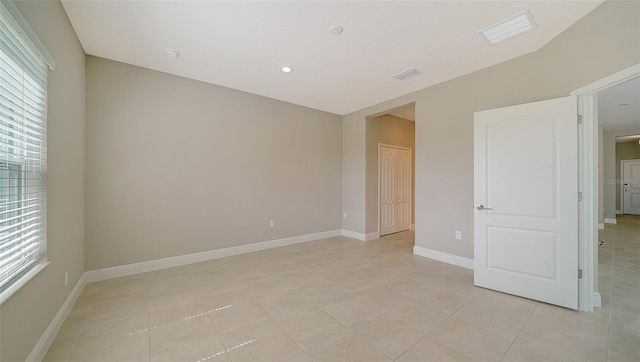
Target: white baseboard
column 444, row 257
column 353, row 234
column 597, row 300
column 601, row 226
column 42, row 346
column 372, row 236
column 360, row 236
column 610, row 221
column 618, row 212
column 158, row 264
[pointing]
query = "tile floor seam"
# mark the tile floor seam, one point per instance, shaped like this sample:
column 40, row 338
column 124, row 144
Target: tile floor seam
column 518, row 334
column 613, row 257
column 444, row 321
column 332, row 316
column 211, row 319
column 407, row 350
column 371, row 344
column 284, row 330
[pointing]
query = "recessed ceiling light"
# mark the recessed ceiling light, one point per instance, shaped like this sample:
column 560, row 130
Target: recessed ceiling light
column 336, row 29
column 173, row 52
column 287, row 69
column 510, row 28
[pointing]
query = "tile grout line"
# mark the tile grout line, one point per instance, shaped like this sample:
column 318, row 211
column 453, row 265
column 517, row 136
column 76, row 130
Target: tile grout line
column 518, row 334
column 278, row 324
column 210, row 318
column 613, row 258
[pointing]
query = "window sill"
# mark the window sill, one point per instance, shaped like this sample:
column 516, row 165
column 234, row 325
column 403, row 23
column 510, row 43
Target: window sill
column 9, row 292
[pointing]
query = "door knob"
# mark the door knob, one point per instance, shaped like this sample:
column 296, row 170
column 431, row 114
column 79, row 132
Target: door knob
column 481, row 207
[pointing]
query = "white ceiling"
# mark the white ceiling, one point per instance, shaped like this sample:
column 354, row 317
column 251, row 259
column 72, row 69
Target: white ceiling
column 619, row 106
column 243, row 45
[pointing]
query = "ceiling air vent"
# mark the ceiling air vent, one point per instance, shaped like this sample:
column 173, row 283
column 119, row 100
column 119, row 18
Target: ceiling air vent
column 409, row 73
column 512, row 27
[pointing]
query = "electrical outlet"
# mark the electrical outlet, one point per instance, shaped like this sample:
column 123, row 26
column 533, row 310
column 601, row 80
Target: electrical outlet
column 272, row 223
column 66, row 279
column 458, row 235
column 344, row 215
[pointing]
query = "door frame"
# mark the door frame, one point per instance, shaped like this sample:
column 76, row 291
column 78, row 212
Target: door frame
column 588, row 296
column 622, row 164
column 380, row 145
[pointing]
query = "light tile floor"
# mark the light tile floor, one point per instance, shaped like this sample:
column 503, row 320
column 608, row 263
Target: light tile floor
column 339, row 299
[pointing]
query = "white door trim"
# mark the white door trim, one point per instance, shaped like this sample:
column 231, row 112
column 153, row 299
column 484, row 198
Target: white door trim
column 380, row 145
column 588, row 175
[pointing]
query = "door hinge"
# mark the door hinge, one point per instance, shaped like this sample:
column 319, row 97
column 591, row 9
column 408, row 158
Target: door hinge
column 579, row 196
column 579, row 273
column 579, row 119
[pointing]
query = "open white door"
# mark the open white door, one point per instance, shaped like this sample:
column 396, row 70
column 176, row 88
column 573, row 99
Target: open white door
column 526, row 201
column 631, row 187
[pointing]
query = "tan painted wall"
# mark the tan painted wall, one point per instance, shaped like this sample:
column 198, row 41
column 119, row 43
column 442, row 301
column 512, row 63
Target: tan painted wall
column 624, row 151
column 27, row 314
column 390, row 130
column 604, row 42
column 176, row 166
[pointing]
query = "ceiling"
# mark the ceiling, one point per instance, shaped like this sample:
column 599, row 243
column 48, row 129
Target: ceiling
column 243, row 45
column 619, row 106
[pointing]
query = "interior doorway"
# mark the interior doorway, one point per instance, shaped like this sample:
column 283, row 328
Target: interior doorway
column 593, row 181
column 394, row 127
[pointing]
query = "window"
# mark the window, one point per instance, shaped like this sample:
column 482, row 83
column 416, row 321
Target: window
column 23, row 150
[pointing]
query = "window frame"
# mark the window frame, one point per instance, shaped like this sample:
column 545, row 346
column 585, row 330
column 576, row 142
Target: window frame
column 32, row 173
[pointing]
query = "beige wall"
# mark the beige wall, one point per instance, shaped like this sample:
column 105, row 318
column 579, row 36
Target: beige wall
column 27, row 314
column 604, row 42
column 176, row 166
column 389, row 130
column 354, row 130
column 624, row 151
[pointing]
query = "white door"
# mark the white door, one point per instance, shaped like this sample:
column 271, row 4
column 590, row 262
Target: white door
column 631, row 186
column 395, row 188
column 526, row 201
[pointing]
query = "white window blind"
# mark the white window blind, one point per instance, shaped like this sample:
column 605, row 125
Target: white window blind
column 23, row 152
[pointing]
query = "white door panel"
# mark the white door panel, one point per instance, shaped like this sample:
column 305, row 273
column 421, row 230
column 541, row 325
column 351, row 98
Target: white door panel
column 526, row 167
column 504, row 141
column 395, row 189
column 631, row 186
